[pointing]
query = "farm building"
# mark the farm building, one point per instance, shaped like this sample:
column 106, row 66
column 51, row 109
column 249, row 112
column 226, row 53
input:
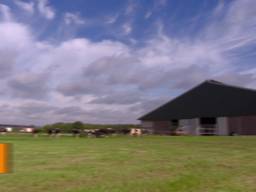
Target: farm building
column 17, row 128
column 211, row 108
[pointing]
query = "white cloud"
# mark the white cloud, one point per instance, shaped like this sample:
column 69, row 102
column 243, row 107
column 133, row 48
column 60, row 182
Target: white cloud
column 14, row 36
column 73, row 18
column 148, row 14
column 45, row 9
column 127, row 28
column 5, row 12
column 26, row 6
column 29, row 85
column 130, row 9
column 106, row 80
column 111, row 19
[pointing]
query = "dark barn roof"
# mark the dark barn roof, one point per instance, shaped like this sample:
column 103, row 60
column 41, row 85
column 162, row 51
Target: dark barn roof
column 208, row 99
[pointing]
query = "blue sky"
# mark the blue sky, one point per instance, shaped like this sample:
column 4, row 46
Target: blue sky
column 113, row 19
column 112, row 61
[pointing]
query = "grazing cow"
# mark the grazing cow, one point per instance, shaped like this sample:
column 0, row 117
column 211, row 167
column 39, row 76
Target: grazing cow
column 135, row 132
column 53, row 132
column 110, row 131
column 3, row 131
column 57, row 132
column 124, row 131
column 50, row 132
column 35, row 132
column 76, row 132
column 98, row 133
column 103, row 132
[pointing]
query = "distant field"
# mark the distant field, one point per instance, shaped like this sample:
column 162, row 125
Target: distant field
column 125, row 164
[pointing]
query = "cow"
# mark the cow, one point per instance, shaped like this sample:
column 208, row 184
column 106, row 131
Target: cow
column 57, row 132
column 35, row 132
column 3, row 131
column 135, row 132
column 124, row 131
column 50, row 132
column 76, row 132
column 53, row 132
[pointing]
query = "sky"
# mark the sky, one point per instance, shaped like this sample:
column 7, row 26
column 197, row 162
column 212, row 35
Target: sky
column 112, row 61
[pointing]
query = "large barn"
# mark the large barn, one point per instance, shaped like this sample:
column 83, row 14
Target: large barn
column 211, row 108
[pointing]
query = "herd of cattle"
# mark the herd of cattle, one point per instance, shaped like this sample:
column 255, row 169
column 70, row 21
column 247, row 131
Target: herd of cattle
column 56, row 132
column 95, row 132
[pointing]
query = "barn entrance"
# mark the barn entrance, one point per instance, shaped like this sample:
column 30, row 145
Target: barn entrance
column 208, row 126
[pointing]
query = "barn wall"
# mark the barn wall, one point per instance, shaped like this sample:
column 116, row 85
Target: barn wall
column 162, row 127
column 242, row 125
column 190, row 126
column 157, row 127
column 225, row 126
column 222, row 126
column 148, row 125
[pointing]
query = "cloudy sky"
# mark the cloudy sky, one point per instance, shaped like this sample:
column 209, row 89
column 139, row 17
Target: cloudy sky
column 111, row 61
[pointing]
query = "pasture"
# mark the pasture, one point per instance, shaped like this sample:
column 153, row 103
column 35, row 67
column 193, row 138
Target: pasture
column 127, row 164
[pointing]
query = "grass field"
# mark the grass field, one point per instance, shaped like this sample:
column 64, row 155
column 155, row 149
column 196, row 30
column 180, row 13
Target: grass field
column 151, row 164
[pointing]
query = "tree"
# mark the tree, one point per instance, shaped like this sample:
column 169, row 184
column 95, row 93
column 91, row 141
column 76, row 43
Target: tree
column 77, row 125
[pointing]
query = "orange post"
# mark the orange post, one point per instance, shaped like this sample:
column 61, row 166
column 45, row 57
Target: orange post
column 5, row 158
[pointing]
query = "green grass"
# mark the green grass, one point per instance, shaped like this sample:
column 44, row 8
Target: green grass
column 151, row 164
